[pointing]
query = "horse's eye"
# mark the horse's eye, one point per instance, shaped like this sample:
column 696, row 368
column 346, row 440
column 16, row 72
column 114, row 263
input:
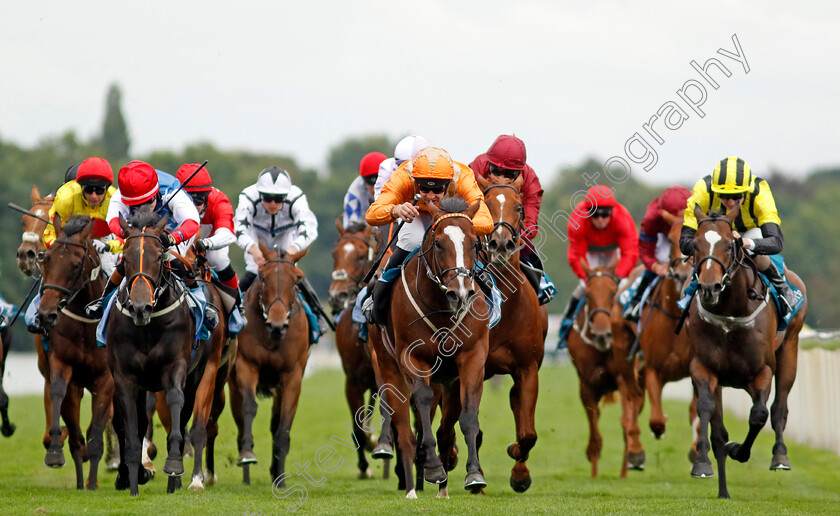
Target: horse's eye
column 438, row 245
column 41, row 257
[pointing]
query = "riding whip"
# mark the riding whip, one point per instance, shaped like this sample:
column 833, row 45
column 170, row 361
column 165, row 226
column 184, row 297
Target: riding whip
column 187, row 180
column 26, row 301
column 382, row 252
column 26, row 212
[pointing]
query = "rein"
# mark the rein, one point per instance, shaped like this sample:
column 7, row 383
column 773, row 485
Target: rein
column 154, row 284
column 82, row 279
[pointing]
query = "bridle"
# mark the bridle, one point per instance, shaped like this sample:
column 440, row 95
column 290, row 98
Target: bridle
column 278, row 299
column 156, row 285
column 513, row 231
column 737, row 257
column 342, row 274
column 437, row 277
column 82, row 280
column 589, row 316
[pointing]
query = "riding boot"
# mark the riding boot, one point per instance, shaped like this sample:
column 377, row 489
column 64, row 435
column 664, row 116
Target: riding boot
column 96, row 308
column 568, row 320
column 533, row 275
column 211, row 312
column 381, row 293
column 789, row 300
column 632, row 311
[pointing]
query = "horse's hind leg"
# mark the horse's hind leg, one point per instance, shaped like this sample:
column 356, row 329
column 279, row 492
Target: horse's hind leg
column 719, row 439
column 175, row 400
column 434, row 472
column 70, row 413
column 201, row 415
column 593, row 413
column 355, row 395
column 58, row 389
column 283, row 413
column 213, row 423
column 631, row 403
column 450, row 409
column 786, row 360
column 653, row 386
column 760, row 390
column 523, row 403
column 471, row 373
column 149, row 448
column 101, row 411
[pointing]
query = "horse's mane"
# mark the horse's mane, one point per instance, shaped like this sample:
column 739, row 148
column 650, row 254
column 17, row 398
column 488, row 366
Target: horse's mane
column 356, row 227
column 75, row 224
column 454, row 204
column 144, row 218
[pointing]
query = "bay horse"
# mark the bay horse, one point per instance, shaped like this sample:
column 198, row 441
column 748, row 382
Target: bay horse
column 209, row 396
column 732, row 327
column 352, row 258
column 7, row 428
column 32, row 244
column 72, row 277
column 602, row 368
column 150, row 339
column 425, row 346
column 517, row 341
column 271, row 358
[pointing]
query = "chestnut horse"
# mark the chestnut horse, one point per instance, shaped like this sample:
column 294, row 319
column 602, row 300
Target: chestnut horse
column 603, row 369
column 272, row 355
column 424, row 343
column 517, row 341
column 352, row 258
column 72, row 277
column 150, row 340
column 732, row 327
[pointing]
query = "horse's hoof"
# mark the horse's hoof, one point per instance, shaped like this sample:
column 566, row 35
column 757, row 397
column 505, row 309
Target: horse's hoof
column 246, row 457
column 54, row 459
column 197, row 483
column 475, row 481
column 780, row 462
column 371, row 442
column 173, row 467
column 210, row 479
column 520, row 485
column 636, row 461
column 443, row 493
column 732, row 448
column 702, row 470
column 434, row 475
column 150, row 466
column 363, row 475
column 383, row 451
column 411, row 495
column 7, row 431
column 121, row 482
column 144, row 475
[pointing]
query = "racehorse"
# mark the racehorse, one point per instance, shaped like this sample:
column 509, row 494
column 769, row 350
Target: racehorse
column 352, row 257
column 423, row 342
column 517, row 341
column 71, row 277
column 733, row 330
column 602, row 369
column 7, row 428
column 150, row 339
column 271, row 358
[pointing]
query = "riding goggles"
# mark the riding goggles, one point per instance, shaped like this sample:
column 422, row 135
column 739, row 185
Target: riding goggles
column 278, row 198
column 602, row 213
column 98, row 190
column 505, row 172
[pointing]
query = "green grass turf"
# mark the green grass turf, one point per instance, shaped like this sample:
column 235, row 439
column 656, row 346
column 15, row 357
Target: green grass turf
column 558, row 464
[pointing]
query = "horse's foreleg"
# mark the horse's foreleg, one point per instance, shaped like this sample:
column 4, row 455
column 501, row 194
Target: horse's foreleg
column 653, row 386
column 705, row 382
column 285, row 406
column 71, row 414
column 471, row 373
column 213, row 423
column 760, row 391
column 634, row 453
column 355, row 395
column 101, row 413
column 243, row 405
column 523, row 403
column 175, row 400
column 126, row 395
column 719, row 439
column 450, row 410
column 201, row 415
column 424, row 396
column 593, row 413
column 694, row 421
column 786, row 359
column 59, row 380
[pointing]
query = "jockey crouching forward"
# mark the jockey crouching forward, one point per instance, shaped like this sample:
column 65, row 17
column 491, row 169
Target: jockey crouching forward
column 143, row 187
column 87, row 192
column 430, row 173
column 276, row 212
column 732, row 186
column 216, row 232
column 359, row 194
column 654, row 246
column 599, row 226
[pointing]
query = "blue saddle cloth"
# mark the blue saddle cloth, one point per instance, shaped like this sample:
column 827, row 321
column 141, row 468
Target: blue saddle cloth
column 314, row 333
column 779, row 263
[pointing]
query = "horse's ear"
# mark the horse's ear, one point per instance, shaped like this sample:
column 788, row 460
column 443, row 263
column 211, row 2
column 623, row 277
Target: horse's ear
column 123, row 224
column 482, row 183
column 698, row 212
column 35, row 195
column 451, row 190
column 298, row 274
column 585, row 266
column 88, row 230
column 340, row 226
column 473, row 209
column 367, row 232
column 434, row 211
column 295, row 257
column 613, row 263
column 733, row 213
column 518, row 182
column 263, row 249
column 668, row 217
column 58, row 225
column 161, row 224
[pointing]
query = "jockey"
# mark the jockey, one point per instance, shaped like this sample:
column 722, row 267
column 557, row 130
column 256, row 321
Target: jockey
column 88, row 193
column 404, row 151
column 143, row 187
column 277, row 213
column 429, row 173
column 598, row 227
column 216, row 232
column 505, row 161
column 654, row 246
column 360, row 193
column 731, row 186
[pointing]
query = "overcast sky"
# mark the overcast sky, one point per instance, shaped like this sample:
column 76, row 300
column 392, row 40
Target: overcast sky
column 571, row 79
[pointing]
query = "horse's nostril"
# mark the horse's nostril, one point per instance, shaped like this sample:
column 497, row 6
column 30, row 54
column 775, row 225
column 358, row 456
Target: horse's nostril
column 451, row 296
column 509, row 246
column 493, row 245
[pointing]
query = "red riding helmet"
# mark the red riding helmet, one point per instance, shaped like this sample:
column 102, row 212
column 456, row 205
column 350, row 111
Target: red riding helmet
column 95, row 170
column 507, row 152
column 200, row 183
column 369, row 166
column 138, row 183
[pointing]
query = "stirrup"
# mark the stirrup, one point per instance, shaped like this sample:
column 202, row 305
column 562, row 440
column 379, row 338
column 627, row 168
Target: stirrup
column 95, row 308
column 367, row 309
column 211, row 318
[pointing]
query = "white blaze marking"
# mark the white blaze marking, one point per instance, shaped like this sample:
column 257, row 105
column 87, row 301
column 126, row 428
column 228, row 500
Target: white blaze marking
column 712, row 237
column 348, row 248
column 501, row 198
column 457, row 236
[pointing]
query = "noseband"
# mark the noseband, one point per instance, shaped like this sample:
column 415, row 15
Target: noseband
column 737, row 256
column 156, row 285
column 82, row 279
column 459, row 271
column 513, row 231
column 277, row 299
column 598, row 274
